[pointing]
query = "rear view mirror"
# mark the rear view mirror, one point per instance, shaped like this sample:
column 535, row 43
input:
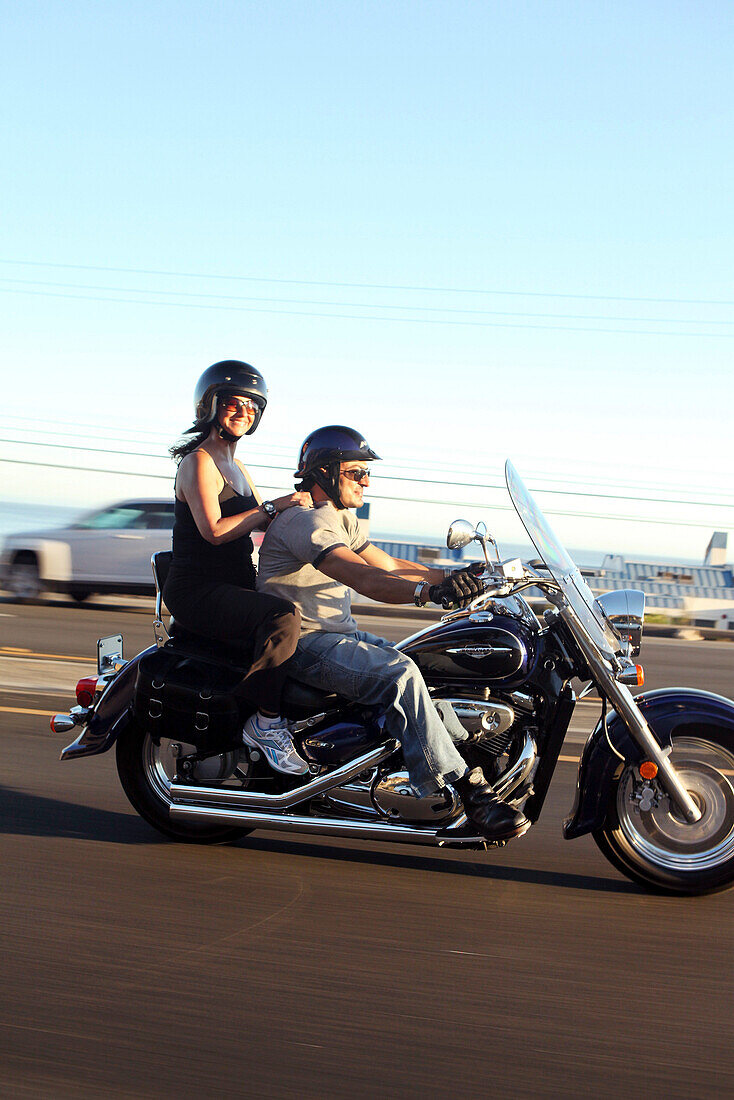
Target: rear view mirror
column 460, row 533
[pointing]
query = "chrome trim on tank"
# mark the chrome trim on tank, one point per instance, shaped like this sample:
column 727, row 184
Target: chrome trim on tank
column 479, row 651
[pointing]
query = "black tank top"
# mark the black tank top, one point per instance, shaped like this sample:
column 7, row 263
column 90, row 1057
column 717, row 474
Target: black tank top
column 193, row 556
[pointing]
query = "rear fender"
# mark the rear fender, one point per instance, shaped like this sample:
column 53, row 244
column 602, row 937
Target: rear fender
column 111, row 715
column 669, row 712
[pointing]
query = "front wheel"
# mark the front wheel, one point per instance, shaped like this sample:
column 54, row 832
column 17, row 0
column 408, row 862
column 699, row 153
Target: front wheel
column 145, row 770
column 24, row 580
column 656, row 847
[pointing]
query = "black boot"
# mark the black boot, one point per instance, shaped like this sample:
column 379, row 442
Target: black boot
column 493, row 818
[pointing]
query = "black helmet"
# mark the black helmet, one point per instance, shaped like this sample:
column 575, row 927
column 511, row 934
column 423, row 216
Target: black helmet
column 229, row 377
column 321, row 453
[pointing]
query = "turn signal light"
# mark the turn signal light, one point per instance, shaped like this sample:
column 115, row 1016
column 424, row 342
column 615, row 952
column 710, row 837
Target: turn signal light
column 634, row 675
column 648, row 769
column 85, row 690
column 62, row 723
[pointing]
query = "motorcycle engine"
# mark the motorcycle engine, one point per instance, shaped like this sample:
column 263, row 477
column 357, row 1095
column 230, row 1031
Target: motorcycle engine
column 213, row 768
column 483, row 716
column 390, row 795
column 395, row 797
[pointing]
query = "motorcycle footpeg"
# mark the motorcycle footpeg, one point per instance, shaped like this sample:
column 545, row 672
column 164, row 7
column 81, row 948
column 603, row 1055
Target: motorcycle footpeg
column 465, row 836
column 467, row 843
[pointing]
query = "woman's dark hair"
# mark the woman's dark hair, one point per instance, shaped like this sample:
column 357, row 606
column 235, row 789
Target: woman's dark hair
column 197, row 434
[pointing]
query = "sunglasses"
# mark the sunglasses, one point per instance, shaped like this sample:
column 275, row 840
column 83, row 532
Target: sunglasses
column 237, row 405
column 357, row 475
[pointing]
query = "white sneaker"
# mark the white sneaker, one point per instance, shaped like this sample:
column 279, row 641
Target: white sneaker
column 276, row 743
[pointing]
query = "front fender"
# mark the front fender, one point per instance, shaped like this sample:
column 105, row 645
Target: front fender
column 668, row 712
column 111, row 715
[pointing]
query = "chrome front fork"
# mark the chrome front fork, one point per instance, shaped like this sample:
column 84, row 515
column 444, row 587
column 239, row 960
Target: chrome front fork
column 623, row 701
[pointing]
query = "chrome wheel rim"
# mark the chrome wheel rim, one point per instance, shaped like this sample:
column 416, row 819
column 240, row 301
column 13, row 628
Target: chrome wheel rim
column 159, row 764
column 160, row 767
column 660, row 835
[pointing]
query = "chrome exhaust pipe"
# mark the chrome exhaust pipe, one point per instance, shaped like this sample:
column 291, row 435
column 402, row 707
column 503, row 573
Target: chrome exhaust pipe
column 324, row 826
column 186, row 794
column 515, row 776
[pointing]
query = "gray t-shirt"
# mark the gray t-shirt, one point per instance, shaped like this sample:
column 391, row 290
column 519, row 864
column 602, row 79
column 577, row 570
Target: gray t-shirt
column 288, row 565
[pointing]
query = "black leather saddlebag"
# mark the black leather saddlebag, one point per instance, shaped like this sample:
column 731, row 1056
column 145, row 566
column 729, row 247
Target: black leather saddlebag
column 187, row 698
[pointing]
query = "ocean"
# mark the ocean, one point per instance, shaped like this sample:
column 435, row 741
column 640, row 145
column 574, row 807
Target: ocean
column 16, row 516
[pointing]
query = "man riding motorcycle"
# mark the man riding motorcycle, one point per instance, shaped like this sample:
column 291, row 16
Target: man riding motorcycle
column 312, row 558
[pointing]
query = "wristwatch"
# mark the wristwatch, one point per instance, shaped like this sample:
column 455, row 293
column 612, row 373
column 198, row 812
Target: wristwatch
column 269, row 509
column 419, row 588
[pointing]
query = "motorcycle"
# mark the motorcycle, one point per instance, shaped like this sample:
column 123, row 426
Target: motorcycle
column 654, row 785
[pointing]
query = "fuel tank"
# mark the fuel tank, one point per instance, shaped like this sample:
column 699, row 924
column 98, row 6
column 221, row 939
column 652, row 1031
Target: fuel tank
column 489, row 647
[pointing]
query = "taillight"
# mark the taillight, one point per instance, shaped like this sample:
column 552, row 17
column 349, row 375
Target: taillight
column 85, row 690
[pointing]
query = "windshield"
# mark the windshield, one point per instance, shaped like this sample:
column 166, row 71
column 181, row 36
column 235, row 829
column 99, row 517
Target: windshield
column 561, row 566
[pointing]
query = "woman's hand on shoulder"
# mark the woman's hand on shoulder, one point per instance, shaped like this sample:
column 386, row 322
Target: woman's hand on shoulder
column 293, row 500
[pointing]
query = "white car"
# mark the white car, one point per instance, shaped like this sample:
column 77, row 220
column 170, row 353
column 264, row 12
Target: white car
column 106, row 551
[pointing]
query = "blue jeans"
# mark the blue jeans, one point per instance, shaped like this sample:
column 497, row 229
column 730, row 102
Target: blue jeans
column 369, row 670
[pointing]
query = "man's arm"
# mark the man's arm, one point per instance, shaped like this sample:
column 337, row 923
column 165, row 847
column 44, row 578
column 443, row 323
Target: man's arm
column 371, row 580
column 410, row 570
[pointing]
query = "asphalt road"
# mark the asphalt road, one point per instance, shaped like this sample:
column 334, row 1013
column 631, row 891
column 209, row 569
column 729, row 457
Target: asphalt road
column 294, row 967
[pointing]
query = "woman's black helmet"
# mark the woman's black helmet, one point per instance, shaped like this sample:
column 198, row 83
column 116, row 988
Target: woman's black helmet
column 225, row 378
column 321, row 453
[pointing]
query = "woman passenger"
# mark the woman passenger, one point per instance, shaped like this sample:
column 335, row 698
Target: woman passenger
column 210, row 588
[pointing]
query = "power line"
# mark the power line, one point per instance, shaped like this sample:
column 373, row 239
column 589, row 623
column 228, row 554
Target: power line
column 369, row 305
column 393, row 477
column 377, row 497
column 493, row 487
column 259, row 462
column 361, row 317
column 369, row 286
column 402, row 463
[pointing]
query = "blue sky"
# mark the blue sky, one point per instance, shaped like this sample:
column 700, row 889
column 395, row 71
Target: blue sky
column 471, row 230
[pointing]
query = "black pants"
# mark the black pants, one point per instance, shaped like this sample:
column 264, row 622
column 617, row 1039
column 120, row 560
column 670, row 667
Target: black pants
column 264, row 628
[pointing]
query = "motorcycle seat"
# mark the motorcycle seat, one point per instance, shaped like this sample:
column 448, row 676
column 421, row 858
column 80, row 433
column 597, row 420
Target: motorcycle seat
column 299, row 700
column 196, row 645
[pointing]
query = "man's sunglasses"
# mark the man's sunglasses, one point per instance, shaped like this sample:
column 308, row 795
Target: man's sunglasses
column 237, row 405
column 357, row 475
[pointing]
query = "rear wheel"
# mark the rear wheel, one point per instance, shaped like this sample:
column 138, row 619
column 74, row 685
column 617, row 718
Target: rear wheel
column 24, row 581
column 657, row 847
column 146, row 769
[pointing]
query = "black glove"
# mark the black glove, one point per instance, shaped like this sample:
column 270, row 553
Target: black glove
column 475, row 567
column 456, row 590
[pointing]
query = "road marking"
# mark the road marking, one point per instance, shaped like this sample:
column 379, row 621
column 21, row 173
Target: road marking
column 22, row 710
column 12, row 651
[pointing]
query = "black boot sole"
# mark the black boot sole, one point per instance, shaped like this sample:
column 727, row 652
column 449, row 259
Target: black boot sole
column 510, row 834
column 469, row 832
